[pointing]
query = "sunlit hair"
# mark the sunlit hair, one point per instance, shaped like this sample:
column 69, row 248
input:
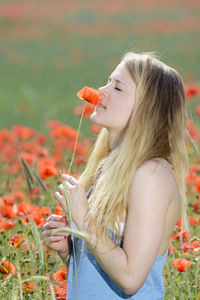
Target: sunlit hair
column 156, row 128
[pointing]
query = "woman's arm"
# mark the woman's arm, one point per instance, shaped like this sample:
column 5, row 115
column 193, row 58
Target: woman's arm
column 149, row 198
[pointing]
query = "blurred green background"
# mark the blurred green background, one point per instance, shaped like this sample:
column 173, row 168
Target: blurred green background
column 50, row 49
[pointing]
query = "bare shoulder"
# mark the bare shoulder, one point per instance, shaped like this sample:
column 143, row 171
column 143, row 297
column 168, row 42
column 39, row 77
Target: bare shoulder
column 155, row 171
column 154, row 187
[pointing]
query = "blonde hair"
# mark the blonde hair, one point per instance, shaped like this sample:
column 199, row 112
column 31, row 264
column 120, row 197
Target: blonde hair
column 156, row 128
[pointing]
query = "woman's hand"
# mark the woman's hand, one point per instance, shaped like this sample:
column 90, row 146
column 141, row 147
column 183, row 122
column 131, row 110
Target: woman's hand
column 77, row 198
column 59, row 241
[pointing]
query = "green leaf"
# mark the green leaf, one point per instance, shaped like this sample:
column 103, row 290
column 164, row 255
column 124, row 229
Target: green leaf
column 39, row 180
column 38, row 243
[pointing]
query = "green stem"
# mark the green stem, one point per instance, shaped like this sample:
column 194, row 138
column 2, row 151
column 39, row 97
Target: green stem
column 79, row 127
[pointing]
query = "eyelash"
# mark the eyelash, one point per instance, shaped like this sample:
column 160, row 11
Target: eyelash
column 116, row 88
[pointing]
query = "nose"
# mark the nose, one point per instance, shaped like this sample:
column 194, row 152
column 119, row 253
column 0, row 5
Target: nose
column 103, row 91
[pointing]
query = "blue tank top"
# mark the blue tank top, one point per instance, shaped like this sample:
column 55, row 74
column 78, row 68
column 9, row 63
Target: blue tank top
column 95, row 284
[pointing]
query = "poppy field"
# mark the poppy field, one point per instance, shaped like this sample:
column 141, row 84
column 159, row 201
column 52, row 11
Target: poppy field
column 49, row 51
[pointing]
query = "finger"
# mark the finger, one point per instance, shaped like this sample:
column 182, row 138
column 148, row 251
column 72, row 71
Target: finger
column 48, row 232
column 69, row 178
column 61, row 200
column 53, row 225
column 54, row 217
column 55, row 238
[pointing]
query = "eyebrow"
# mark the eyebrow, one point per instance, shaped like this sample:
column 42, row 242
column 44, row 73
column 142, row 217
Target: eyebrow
column 117, row 80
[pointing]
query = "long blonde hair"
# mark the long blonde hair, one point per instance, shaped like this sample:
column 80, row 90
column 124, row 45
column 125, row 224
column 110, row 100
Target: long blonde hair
column 156, row 128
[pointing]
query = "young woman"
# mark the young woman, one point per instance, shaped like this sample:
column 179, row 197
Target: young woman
column 135, row 183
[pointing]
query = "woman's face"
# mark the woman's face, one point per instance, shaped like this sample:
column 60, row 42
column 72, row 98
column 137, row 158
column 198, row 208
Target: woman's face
column 118, row 98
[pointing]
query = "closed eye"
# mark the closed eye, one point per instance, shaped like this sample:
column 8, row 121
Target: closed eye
column 116, row 88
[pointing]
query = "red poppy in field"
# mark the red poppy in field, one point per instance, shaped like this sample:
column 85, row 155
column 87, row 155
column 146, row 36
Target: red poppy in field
column 29, row 286
column 61, row 290
column 194, row 220
column 80, row 160
column 181, row 265
column 178, row 223
column 9, row 211
column 197, row 184
column 14, row 240
column 47, row 168
column 19, row 195
column 193, row 131
column 7, row 199
column 7, row 224
column 190, row 177
column 197, row 110
column 47, row 171
column 24, row 208
column 58, row 209
column 193, row 246
column 41, row 138
column 44, row 211
column 96, row 128
column 8, row 266
column 89, row 94
column 87, row 112
column 61, row 275
column 23, row 132
column 28, row 157
column 192, row 91
column 196, row 206
column 64, row 131
column 185, row 235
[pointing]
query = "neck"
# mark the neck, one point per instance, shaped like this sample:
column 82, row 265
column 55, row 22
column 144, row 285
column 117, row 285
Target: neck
column 114, row 139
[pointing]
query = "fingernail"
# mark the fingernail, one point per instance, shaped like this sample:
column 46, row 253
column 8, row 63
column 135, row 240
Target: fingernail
column 65, row 237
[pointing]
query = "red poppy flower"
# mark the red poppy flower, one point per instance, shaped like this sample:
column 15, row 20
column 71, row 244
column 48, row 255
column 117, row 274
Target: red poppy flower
column 194, row 220
column 8, row 266
column 58, row 209
column 197, row 110
column 4, row 225
column 64, row 131
column 47, row 171
column 8, row 199
column 196, row 206
column 96, row 128
column 181, row 264
column 24, row 208
column 61, row 290
column 28, row 286
column 197, row 184
column 19, row 195
column 193, row 246
column 14, row 239
column 61, row 275
column 185, row 235
column 10, row 211
column 191, row 91
column 89, row 94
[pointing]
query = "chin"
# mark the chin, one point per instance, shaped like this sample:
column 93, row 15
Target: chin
column 93, row 119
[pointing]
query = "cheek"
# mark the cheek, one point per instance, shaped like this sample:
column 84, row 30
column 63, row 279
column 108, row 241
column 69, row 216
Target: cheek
column 126, row 108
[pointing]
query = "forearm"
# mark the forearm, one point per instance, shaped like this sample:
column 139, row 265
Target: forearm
column 112, row 259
